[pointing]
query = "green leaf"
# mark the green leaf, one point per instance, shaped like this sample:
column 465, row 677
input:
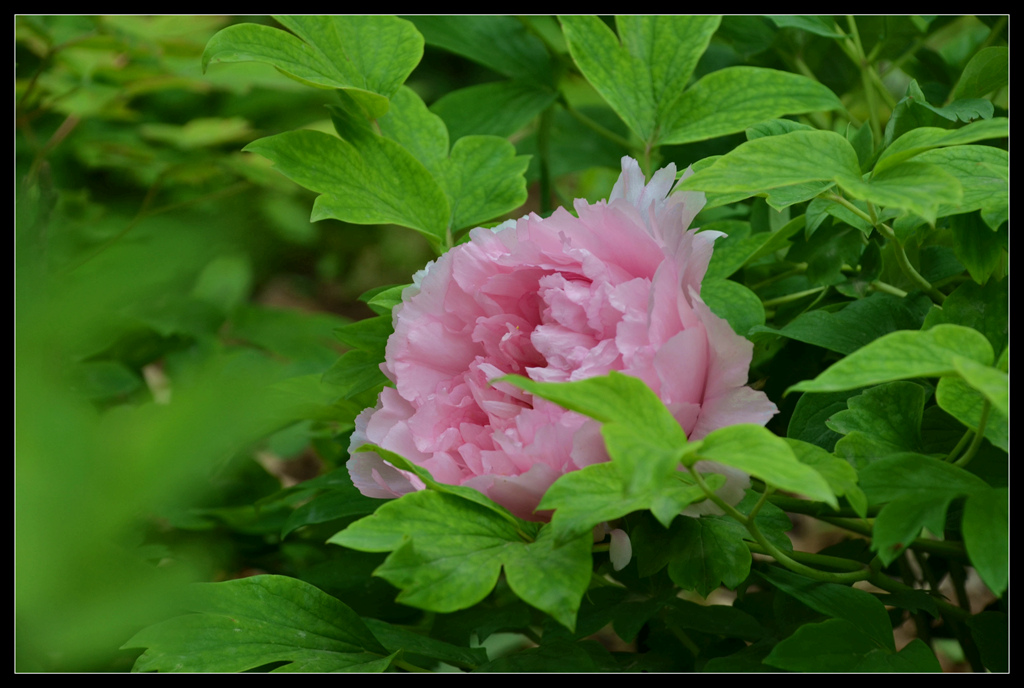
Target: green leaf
column 964, row 403
column 808, row 422
column 730, row 100
column 988, row 70
column 643, row 77
column 483, row 178
column 762, row 454
column 596, row 494
column 247, row 623
column 985, row 308
column 503, row 44
column 396, row 639
column 368, row 56
column 775, row 127
column 418, row 130
column 740, row 247
column 355, row 372
column 734, row 303
column 841, row 476
column 921, row 139
column 838, row 601
column 467, row 493
column 857, row 324
column 986, row 530
column 902, row 355
column 820, row 26
column 708, row 552
column 839, row 645
column 984, row 174
column 368, row 334
column 880, row 421
column 621, row 399
column 908, row 473
column 500, row 108
column 372, row 180
column 794, row 158
column 915, row 186
column 447, row 554
column 715, row 619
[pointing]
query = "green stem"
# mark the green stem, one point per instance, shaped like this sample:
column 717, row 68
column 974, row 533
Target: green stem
column 815, row 559
column 879, row 285
column 908, row 269
column 869, row 91
column 718, row 501
column 959, row 446
column 800, row 268
column 880, row 580
column 791, row 297
column 411, row 668
column 943, row 548
column 978, row 436
column 816, row 509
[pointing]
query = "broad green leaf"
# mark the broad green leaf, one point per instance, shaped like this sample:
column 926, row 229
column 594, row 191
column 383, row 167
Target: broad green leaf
column 355, row 372
column 839, row 645
column 643, row 76
column 333, row 504
column 808, row 422
column 368, row 334
column 396, row 638
column 984, row 174
column 916, row 491
column 830, row 646
column 984, row 308
column 821, row 26
column 984, row 253
column 715, row 619
column 772, row 162
column 371, row 181
column 670, row 47
column 775, row 127
column 707, row 553
column 841, row 476
column 595, row 494
column 762, row 454
column 418, row 130
column 826, row 252
column 988, row 70
column 498, row 109
column 483, row 178
column 900, row 522
column 993, row 383
column 621, row 78
column 858, row 324
column 467, row 493
column 731, row 99
column 368, row 56
column 447, row 554
column 103, row 379
column 915, row 186
column 908, row 473
column 986, row 530
column 503, row 44
column 739, row 248
column 247, row 623
column 838, row 601
column 880, row 421
column 734, row 303
column 384, row 301
column 964, row 403
column 902, row 355
column 917, row 141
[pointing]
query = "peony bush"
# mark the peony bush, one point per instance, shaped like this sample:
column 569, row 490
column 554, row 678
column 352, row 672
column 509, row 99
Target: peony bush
column 750, row 416
column 617, row 287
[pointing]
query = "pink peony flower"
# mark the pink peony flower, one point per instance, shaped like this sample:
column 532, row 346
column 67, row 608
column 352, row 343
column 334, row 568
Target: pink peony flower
column 554, row 299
